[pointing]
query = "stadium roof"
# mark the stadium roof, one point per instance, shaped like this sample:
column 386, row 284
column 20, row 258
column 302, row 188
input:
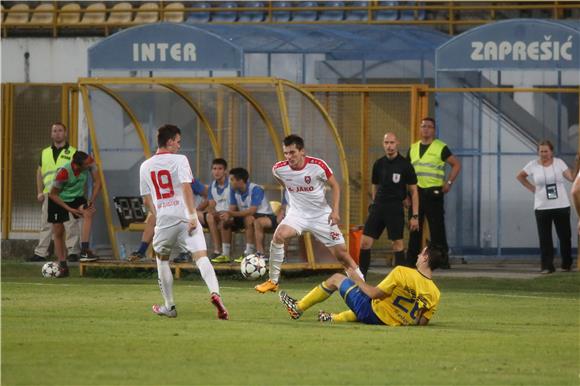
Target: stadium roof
column 347, row 42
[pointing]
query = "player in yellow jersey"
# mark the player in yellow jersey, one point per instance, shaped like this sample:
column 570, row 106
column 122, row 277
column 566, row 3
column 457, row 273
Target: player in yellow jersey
column 407, row 296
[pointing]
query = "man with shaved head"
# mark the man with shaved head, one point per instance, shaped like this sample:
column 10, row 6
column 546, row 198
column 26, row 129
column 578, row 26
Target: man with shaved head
column 392, row 176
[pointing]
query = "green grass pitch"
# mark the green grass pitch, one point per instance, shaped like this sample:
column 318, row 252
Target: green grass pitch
column 95, row 331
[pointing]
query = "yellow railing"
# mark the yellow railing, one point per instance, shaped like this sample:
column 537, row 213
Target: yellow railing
column 445, row 15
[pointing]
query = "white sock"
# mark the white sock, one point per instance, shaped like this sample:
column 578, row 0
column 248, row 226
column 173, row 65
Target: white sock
column 250, row 248
column 358, row 271
column 208, row 274
column 226, row 249
column 276, row 260
column 165, row 279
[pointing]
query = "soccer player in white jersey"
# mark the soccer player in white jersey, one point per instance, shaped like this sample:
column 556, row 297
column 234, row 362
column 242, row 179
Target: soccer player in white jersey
column 165, row 181
column 305, row 177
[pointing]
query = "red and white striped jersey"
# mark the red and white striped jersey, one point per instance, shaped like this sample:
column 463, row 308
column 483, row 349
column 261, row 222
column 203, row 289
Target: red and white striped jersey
column 305, row 186
column 161, row 177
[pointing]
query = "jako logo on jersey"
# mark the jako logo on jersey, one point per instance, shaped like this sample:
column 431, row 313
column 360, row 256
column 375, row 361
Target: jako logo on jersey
column 301, row 189
column 396, row 177
column 307, row 179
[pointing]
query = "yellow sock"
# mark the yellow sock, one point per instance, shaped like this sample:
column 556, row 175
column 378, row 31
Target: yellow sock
column 318, row 294
column 345, row 316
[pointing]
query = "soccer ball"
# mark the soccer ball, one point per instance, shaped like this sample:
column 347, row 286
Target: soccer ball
column 253, row 267
column 50, row 269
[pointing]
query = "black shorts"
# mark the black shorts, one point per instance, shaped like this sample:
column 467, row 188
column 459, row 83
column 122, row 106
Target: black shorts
column 390, row 216
column 272, row 218
column 58, row 215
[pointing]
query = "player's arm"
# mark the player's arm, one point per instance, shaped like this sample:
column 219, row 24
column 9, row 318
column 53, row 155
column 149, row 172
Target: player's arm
column 374, row 189
column 39, row 185
column 568, row 175
column 148, row 202
column 189, row 200
column 205, row 203
column 455, row 169
column 334, row 217
column 96, row 185
column 522, row 177
column 414, row 222
column 371, row 291
column 243, row 213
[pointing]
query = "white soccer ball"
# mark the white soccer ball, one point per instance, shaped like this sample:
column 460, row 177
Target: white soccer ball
column 253, row 267
column 50, row 269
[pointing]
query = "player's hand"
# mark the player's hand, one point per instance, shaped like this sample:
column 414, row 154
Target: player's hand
column 88, row 209
column 414, row 225
column 333, row 218
column 407, row 202
column 40, row 197
column 446, row 188
column 224, row 216
column 76, row 212
column 191, row 226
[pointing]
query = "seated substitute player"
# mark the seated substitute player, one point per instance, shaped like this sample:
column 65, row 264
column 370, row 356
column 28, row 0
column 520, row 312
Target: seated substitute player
column 67, row 196
column 165, row 184
column 305, row 177
column 219, row 202
column 406, row 297
column 392, row 176
column 248, row 208
column 199, row 191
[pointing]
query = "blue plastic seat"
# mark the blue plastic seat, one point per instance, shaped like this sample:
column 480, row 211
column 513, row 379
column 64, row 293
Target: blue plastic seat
column 387, row 14
column 225, row 16
column 332, row 14
column 252, row 16
column 357, row 14
column 281, row 16
column 199, row 16
column 305, row 15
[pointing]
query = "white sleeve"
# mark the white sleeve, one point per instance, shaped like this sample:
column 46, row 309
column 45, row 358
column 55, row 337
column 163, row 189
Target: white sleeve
column 561, row 165
column 144, row 186
column 184, row 171
column 529, row 168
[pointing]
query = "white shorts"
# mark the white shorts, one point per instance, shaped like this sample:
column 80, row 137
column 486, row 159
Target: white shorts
column 177, row 236
column 329, row 235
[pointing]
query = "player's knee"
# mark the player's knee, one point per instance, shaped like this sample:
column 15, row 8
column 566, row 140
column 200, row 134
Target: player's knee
column 366, row 242
column 398, row 245
column 336, row 280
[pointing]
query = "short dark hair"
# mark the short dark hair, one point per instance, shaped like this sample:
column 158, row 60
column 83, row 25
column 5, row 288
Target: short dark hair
column 437, row 255
column 220, row 161
column 546, row 142
column 165, row 133
column 432, row 120
column 240, row 174
column 59, row 124
column 294, row 139
column 79, row 157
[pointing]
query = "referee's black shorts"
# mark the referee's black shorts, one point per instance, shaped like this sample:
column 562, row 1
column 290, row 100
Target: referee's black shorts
column 381, row 216
column 58, row 215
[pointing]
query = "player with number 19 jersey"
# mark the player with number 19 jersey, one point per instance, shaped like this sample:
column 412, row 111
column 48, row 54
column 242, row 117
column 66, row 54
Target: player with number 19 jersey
column 161, row 177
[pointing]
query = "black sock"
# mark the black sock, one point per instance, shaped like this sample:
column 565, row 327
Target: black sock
column 399, row 258
column 365, row 261
column 84, row 246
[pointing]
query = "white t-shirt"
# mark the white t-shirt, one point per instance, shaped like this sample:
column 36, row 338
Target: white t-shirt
column 161, row 177
column 305, row 187
column 543, row 176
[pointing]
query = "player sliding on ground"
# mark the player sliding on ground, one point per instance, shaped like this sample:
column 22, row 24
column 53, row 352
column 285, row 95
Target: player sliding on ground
column 165, row 181
column 405, row 297
column 304, row 178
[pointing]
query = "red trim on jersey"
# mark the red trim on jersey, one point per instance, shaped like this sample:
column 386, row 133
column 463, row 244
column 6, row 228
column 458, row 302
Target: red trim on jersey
column 62, row 175
column 279, row 164
column 321, row 163
column 162, row 152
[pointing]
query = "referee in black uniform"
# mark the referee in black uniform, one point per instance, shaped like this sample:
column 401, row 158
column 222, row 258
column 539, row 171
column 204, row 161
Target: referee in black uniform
column 392, row 176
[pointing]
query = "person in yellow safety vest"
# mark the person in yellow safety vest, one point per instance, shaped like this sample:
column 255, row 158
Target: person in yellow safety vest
column 429, row 156
column 53, row 157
